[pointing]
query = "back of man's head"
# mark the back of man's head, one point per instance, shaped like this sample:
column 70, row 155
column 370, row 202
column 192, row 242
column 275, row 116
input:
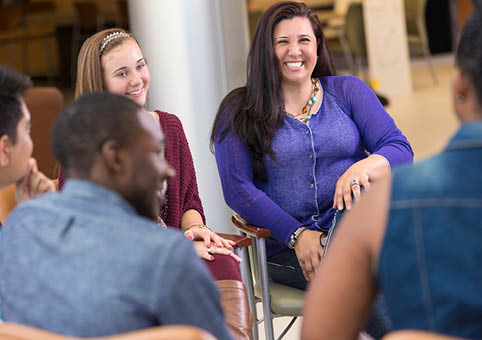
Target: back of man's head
column 468, row 55
column 84, row 125
column 12, row 85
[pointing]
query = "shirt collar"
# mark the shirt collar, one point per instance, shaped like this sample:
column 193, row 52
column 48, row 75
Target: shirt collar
column 468, row 136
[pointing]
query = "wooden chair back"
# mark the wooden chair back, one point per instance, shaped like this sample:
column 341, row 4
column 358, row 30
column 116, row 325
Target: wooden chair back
column 11, row 331
column 44, row 103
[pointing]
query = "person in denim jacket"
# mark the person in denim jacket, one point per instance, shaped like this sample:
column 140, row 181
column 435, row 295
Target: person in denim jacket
column 416, row 236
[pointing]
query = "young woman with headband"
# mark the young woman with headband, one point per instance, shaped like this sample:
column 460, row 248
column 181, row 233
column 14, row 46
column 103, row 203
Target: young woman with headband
column 112, row 60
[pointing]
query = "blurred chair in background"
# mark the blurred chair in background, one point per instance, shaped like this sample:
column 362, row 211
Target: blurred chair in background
column 416, row 30
column 253, row 18
column 345, row 31
column 417, row 335
column 20, row 24
column 353, row 35
column 44, row 103
column 8, row 203
column 40, row 24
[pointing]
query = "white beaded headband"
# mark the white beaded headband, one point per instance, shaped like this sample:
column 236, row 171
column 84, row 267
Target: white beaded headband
column 108, row 38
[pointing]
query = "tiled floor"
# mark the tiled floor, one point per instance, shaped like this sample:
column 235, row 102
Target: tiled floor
column 426, row 117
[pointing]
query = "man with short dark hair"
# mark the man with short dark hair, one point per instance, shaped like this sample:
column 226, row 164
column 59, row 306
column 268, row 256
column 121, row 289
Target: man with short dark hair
column 16, row 163
column 90, row 261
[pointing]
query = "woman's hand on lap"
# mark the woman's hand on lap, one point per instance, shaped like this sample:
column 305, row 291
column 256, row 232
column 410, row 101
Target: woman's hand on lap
column 309, row 252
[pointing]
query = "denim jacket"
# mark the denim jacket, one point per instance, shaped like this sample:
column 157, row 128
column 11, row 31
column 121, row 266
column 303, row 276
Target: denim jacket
column 430, row 265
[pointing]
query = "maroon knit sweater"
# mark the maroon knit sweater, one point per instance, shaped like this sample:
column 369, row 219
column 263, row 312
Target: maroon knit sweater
column 182, row 192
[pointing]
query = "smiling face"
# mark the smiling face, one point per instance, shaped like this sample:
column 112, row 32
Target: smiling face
column 125, row 71
column 149, row 169
column 295, row 47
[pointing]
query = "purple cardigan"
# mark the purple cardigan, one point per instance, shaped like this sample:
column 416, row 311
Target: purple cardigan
column 309, row 161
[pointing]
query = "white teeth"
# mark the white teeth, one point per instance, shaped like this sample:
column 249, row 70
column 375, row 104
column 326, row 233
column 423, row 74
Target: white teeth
column 135, row 92
column 294, row 65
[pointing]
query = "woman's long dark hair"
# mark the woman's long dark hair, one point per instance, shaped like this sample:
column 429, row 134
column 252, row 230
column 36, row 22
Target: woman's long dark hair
column 255, row 112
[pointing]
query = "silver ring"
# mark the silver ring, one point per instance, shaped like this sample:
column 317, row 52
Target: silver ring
column 354, row 182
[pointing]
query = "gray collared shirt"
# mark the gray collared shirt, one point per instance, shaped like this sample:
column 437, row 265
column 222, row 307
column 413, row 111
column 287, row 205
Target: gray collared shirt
column 82, row 262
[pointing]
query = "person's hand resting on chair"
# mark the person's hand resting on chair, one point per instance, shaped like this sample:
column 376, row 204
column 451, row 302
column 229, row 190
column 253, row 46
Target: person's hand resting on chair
column 207, row 242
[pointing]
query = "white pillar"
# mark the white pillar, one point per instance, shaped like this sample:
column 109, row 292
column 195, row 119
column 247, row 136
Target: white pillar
column 196, row 52
column 387, row 46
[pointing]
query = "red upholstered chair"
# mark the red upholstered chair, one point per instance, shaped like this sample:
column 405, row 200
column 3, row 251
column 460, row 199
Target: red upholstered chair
column 44, row 103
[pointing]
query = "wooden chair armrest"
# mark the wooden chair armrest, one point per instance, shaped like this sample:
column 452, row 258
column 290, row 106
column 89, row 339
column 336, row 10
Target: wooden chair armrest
column 242, row 241
column 249, row 229
column 12, row 331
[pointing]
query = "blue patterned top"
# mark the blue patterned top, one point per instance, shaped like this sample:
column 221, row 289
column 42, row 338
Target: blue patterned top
column 350, row 124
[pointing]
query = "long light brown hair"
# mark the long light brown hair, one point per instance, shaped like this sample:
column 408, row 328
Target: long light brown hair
column 89, row 66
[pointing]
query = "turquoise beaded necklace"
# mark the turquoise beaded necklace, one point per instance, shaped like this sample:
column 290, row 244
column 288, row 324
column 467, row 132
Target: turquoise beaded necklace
column 309, row 104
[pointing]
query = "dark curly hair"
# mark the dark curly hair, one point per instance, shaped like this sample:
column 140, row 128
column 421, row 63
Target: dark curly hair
column 12, row 86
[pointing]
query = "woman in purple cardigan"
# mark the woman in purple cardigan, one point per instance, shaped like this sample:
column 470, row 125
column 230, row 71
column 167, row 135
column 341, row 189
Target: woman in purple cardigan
column 296, row 144
column 111, row 60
